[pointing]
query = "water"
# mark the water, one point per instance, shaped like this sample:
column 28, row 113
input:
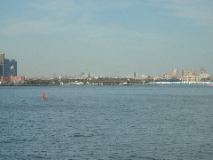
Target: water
column 104, row 123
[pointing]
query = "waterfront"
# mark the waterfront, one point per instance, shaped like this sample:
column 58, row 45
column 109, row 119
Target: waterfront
column 120, row 122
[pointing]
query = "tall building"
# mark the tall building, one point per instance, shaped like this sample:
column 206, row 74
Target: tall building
column 135, row 75
column 7, row 67
column 1, row 64
column 10, row 67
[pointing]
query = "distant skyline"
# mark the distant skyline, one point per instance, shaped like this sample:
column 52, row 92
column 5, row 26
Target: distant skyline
column 107, row 37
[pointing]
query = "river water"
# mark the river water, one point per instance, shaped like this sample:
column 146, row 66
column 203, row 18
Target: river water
column 106, row 123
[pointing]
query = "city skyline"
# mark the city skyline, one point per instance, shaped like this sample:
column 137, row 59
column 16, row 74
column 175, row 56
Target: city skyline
column 107, row 37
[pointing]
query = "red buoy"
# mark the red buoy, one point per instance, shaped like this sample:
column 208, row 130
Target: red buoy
column 44, row 96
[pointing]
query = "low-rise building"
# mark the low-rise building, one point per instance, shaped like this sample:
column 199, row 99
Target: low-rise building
column 171, row 74
column 189, row 76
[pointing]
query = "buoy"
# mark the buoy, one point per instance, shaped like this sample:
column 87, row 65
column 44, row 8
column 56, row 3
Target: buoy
column 44, row 96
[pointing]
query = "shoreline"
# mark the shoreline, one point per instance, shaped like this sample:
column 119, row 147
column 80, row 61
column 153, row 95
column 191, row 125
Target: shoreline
column 206, row 84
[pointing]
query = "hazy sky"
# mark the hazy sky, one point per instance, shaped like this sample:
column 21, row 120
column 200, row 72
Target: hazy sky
column 107, row 37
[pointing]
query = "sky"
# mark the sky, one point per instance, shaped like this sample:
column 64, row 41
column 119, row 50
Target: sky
column 107, row 37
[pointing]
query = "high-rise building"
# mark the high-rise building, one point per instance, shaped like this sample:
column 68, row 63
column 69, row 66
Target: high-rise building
column 1, row 64
column 7, row 67
column 135, row 75
column 10, row 67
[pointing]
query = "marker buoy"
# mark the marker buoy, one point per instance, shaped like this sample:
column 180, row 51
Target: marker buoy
column 44, row 96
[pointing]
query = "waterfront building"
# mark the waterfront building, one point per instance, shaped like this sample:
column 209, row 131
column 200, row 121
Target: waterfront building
column 189, row 76
column 8, row 70
column 171, row 74
column 10, row 67
column 203, row 74
column 135, row 75
column 2, row 64
column 7, row 67
column 203, row 71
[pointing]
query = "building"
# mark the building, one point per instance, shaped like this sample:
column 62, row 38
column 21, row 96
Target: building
column 10, row 67
column 1, row 64
column 203, row 71
column 171, row 74
column 189, row 76
column 135, row 75
column 203, row 75
column 7, row 67
column 14, row 79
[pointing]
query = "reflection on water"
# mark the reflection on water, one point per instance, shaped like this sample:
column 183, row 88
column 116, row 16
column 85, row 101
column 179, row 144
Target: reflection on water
column 150, row 123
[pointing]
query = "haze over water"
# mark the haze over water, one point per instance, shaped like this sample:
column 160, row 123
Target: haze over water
column 148, row 123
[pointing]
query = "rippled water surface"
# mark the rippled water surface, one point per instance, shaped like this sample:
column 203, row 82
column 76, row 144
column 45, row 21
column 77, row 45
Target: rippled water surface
column 106, row 123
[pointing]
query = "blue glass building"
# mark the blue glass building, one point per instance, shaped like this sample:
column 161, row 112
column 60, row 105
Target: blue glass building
column 7, row 67
column 1, row 64
column 10, row 67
